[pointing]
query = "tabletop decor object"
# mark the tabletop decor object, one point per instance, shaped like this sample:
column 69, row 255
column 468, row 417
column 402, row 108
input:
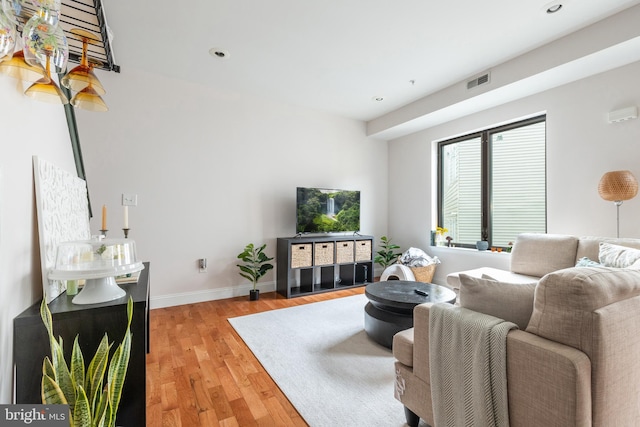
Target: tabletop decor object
column 98, row 261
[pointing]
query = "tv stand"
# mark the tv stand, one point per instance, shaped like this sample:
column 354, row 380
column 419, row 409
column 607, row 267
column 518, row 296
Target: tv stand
column 312, row 264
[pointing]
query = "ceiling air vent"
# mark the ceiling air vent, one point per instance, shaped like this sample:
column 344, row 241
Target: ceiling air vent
column 478, row 81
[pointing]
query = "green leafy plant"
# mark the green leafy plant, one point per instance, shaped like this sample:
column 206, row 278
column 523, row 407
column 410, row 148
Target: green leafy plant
column 91, row 402
column 256, row 263
column 387, row 254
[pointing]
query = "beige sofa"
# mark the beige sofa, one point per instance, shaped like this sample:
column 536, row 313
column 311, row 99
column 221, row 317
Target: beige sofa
column 575, row 361
column 535, row 255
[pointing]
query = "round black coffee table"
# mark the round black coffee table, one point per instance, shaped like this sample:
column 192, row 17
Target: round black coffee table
column 391, row 304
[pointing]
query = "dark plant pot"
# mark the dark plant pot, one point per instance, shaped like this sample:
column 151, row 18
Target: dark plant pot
column 254, row 294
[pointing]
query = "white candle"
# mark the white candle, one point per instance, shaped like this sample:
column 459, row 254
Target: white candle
column 126, row 217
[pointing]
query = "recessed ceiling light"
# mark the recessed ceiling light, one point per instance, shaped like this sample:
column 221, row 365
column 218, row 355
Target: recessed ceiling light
column 553, row 8
column 219, row 53
column 378, row 98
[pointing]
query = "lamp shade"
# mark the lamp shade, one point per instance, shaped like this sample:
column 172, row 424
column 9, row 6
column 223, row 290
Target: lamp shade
column 616, row 186
column 88, row 99
column 18, row 68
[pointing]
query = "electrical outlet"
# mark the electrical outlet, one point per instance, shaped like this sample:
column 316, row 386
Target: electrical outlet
column 129, row 199
column 202, row 264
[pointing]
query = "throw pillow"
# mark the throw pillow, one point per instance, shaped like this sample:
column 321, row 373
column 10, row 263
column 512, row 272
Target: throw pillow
column 617, row 256
column 512, row 302
column 586, row 262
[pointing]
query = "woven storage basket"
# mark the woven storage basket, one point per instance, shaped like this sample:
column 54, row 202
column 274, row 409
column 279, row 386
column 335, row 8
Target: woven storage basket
column 323, row 253
column 363, row 250
column 424, row 274
column 301, row 255
column 344, row 252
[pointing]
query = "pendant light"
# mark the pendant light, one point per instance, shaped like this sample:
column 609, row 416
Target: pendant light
column 18, row 68
column 82, row 75
column 89, row 98
column 46, row 89
column 8, row 35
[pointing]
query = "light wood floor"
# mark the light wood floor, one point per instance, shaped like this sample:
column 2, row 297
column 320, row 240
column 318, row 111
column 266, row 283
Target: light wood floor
column 200, row 372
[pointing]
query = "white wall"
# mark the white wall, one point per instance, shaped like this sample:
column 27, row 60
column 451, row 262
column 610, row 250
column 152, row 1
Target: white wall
column 581, row 147
column 214, row 172
column 28, row 128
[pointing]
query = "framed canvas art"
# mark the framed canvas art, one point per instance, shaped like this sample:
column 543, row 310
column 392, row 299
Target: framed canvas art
column 62, row 207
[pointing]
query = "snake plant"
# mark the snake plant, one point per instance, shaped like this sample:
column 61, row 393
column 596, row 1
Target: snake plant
column 91, row 402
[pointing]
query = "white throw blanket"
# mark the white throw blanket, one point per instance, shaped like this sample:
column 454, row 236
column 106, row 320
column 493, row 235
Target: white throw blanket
column 467, row 364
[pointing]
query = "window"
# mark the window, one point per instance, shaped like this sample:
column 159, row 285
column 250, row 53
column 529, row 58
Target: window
column 492, row 184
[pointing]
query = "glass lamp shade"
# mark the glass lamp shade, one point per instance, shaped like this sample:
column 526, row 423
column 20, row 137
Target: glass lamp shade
column 42, row 38
column 616, row 186
column 46, row 90
column 12, row 8
column 8, row 36
column 18, row 68
column 81, row 77
column 48, row 10
column 89, row 99
column 98, row 262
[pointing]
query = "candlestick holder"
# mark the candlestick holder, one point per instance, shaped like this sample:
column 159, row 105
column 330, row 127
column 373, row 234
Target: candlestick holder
column 104, row 232
column 126, row 232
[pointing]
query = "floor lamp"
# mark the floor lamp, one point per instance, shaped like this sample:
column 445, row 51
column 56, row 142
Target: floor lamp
column 617, row 186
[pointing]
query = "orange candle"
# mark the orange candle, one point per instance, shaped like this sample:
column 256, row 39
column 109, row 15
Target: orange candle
column 104, row 217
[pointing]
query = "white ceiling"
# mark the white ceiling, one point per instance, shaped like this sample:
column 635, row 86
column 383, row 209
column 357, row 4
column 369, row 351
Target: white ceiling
column 336, row 56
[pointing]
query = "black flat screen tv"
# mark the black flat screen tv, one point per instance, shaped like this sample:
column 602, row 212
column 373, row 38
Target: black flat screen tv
column 325, row 210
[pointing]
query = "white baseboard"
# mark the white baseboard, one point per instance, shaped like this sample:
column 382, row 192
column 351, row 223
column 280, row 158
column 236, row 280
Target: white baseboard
column 214, row 294
column 208, row 295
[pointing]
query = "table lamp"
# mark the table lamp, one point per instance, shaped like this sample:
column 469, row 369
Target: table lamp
column 98, row 261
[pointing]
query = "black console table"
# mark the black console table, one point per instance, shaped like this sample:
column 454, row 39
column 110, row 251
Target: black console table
column 90, row 322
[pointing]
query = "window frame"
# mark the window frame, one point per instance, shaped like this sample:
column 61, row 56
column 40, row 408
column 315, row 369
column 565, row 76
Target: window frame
column 486, row 176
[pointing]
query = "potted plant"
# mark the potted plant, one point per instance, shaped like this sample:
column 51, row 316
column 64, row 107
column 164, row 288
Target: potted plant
column 440, row 236
column 386, row 254
column 91, row 401
column 256, row 264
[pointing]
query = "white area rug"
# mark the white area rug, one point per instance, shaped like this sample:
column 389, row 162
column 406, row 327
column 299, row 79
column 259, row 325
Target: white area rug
column 324, row 362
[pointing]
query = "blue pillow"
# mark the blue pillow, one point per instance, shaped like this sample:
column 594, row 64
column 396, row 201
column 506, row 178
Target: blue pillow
column 586, row 262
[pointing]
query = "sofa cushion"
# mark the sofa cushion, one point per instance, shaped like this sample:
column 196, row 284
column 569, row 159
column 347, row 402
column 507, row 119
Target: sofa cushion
column 453, row 279
column 565, row 301
column 538, row 254
column 512, row 302
column 589, row 246
column 402, row 347
column 617, row 256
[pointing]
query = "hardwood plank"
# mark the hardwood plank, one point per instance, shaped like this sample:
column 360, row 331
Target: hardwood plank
column 201, row 373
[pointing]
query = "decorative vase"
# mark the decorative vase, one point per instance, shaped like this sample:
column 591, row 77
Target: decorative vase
column 254, row 294
column 482, row 245
column 440, row 240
